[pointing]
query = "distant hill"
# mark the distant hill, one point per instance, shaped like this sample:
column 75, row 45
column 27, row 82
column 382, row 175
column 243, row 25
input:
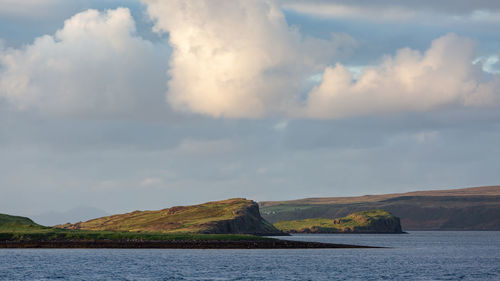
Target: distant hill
column 81, row 213
column 476, row 208
column 373, row 221
column 237, row 216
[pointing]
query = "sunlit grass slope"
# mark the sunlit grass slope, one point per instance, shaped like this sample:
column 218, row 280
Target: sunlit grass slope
column 373, row 221
column 228, row 216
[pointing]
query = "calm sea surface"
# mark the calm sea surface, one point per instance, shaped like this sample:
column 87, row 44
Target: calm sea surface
column 416, row 256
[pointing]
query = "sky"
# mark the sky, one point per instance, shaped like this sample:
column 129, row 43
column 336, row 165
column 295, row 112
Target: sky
column 122, row 105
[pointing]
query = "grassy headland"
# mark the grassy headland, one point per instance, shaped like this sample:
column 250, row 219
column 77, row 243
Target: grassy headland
column 235, row 216
column 22, row 228
column 373, row 221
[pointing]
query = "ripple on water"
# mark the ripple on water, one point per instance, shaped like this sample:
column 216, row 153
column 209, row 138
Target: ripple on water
column 416, row 256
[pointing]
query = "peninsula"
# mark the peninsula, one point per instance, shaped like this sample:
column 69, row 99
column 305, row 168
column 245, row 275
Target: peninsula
column 373, row 221
column 228, row 224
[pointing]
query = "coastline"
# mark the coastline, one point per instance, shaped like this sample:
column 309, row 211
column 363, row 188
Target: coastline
column 347, row 232
column 174, row 244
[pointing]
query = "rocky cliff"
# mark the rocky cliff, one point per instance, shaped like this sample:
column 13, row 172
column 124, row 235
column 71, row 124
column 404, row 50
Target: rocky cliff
column 246, row 220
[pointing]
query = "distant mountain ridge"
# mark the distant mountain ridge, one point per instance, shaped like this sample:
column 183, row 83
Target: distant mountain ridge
column 476, row 208
column 469, row 191
column 80, row 213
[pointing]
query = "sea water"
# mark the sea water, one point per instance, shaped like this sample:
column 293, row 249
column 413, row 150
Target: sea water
column 418, row 255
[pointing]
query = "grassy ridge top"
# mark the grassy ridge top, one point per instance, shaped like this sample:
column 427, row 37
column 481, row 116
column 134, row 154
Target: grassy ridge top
column 365, row 221
column 472, row 191
column 235, row 215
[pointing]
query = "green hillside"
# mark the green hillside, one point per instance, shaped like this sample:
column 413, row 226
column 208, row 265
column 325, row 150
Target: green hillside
column 373, row 221
column 16, row 223
column 228, row 216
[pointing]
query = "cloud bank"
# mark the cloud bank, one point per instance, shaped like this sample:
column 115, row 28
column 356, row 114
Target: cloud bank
column 444, row 11
column 231, row 59
column 95, row 65
column 248, row 62
column 443, row 76
column 237, row 58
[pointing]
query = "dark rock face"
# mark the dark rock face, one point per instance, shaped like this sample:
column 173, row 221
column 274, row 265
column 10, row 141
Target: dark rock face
column 247, row 221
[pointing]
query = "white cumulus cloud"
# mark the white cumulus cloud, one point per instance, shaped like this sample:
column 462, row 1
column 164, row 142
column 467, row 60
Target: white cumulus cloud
column 94, row 65
column 233, row 59
column 443, row 76
column 237, row 58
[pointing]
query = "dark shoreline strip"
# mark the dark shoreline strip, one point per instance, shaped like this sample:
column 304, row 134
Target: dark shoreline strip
column 176, row 244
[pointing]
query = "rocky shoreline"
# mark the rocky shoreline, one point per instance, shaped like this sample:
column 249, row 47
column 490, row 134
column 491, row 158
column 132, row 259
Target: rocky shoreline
column 174, row 244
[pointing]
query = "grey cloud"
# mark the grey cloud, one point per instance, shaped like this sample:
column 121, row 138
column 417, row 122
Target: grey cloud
column 307, row 158
column 145, row 158
column 444, row 6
